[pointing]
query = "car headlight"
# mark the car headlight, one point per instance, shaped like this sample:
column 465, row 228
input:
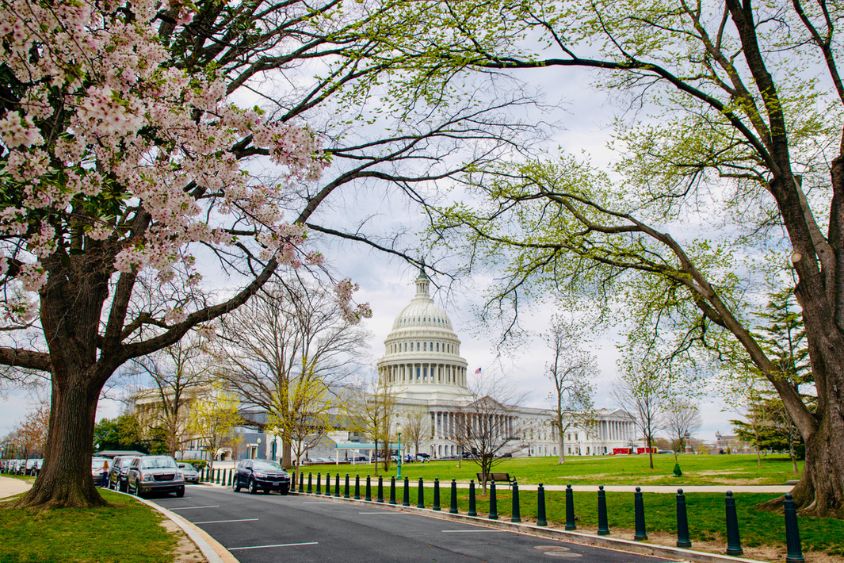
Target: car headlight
column 179, row 476
column 260, row 475
column 147, row 477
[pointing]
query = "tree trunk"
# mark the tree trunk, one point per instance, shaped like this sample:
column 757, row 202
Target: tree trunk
column 286, row 454
column 821, row 489
column 650, row 454
column 65, row 480
column 562, row 457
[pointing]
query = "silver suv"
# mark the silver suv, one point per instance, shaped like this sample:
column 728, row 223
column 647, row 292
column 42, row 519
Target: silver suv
column 155, row 473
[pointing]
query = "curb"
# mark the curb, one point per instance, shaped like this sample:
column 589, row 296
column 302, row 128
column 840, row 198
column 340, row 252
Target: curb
column 213, row 550
column 615, row 544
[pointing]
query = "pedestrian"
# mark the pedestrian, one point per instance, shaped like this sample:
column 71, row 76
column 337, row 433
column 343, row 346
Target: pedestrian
column 104, row 474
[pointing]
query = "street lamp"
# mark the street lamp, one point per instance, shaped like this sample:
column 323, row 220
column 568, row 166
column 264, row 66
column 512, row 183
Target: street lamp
column 398, row 465
column 258, row 449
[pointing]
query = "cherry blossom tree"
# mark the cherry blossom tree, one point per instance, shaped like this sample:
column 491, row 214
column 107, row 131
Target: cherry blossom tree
column 116, row 162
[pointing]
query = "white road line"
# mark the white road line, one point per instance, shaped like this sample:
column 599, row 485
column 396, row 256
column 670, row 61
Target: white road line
column 273, row 545
column 195, row 507
column 319, row 502
column 224, row 521
column 472, row 531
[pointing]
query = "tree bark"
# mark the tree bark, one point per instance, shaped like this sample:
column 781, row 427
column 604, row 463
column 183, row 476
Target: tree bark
column 562, row 442
column 286, row 454
column 821, row 489
column 65, row 479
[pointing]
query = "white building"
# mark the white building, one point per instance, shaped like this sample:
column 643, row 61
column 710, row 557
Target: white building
column 423, row 365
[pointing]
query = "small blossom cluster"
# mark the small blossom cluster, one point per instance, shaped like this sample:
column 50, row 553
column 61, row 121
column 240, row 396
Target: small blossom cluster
column 128, row 127
column 351, row 312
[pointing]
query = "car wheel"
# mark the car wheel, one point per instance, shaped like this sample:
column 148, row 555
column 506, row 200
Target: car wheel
column 180, row 492
column 284, row 490
column 267, row 491
column 236, row 485
column 253, row 486
column 123, row 486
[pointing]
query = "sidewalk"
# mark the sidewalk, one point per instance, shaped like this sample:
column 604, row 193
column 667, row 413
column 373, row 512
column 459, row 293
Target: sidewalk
column 665, row 489
column 661, row 489
column 11, row 487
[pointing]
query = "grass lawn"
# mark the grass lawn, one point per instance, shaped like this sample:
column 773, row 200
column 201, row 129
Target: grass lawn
column 126, row 531
column 607, row 470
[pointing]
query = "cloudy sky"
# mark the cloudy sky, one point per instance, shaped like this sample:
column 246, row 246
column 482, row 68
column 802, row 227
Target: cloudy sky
column 581, row 123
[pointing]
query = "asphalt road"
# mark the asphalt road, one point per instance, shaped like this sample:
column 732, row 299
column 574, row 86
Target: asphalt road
column 305, row 528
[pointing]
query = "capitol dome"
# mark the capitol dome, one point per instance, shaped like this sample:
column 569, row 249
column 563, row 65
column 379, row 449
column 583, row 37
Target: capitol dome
column 422, row 352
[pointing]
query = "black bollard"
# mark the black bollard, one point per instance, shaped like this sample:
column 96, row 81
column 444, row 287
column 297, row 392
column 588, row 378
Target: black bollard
column 380, row 497
column 216, row 479
column 603, row 525
column 733, row 539
column 301, row 481
column 231, row 478
column 405, row 493
column 337, row 485
column 436, row 494
column 493, row 502
column 516, row 513
column 541, row 520
column 452, row 505
column 368, row 491
column 392, row 490
column 472, row 508
column 318, row 483
column 310, row 483
column 792, row 533
column 640, row 533
column 420, row 495
column 293, row 483
column 327, row 484
column 570, row 523
column 682, row 521
column 357, row 487
column 346, row 487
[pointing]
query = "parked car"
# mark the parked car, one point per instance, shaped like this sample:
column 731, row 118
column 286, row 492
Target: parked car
column 423, row 457
column 155, row 473
column 119, row 472
column 189, row 472
column 33, row 466
column 261, row 474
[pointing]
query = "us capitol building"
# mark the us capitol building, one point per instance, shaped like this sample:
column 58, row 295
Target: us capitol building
column 425, row 372
column 423, row 367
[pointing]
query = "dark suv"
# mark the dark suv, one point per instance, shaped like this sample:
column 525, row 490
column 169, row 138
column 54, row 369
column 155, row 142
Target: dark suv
column 119, row 472
column 155, row 473
column 263, row 474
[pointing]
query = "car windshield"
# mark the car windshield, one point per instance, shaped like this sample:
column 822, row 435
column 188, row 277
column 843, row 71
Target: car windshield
column 266, row 466
column 187, row 466
column 125, row 462
column 97, row 462
column 158, row 462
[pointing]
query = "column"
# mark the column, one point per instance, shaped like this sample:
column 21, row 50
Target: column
column 433, row 424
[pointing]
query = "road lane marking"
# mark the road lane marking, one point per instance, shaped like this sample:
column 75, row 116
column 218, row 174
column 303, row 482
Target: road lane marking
column 472, row 531
column 195, row 507
column 273, row 545
column 319, row 502
column 224, row 521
